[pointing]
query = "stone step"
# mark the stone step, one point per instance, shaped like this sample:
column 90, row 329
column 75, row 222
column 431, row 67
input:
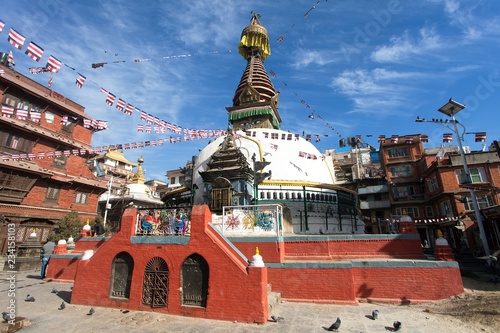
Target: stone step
column 273, row 299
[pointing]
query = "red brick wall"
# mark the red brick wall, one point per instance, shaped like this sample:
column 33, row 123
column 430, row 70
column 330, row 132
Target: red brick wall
column 62, row 268
column 406, row 284
column 236, row 292
column 312, row 284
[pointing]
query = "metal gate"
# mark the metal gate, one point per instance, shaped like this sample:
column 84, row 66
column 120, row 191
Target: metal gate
column 155, row 285
column 195, row 281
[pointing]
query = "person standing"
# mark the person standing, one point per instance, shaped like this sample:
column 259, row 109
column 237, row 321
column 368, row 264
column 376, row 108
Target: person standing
column 47, row 250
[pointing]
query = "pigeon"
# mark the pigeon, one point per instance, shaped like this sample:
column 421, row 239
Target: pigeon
column 5, row 316
column 29, row 298
column 62, row 306
column 374, row 314
column 91, row 312
column 54, row 291
column 335, row 326
column 277, row 319
column 397, row 326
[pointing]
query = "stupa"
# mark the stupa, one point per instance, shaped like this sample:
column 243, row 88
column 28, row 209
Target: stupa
column 258, row 163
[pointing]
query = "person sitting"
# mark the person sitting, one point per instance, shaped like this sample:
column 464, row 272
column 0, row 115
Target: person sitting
column 98, row 229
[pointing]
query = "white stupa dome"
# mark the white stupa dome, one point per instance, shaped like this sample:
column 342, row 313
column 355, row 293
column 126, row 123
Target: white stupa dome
column 292, row 157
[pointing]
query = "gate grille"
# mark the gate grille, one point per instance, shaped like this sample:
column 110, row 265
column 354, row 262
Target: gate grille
column 155, row 288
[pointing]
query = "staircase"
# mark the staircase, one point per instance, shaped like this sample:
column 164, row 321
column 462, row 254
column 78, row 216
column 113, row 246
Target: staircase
column 273, row 299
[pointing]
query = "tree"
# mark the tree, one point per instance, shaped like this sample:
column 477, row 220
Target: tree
column 70, row 225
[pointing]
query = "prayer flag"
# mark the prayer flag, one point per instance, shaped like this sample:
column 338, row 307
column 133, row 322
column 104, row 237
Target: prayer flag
column 120, row 105
column 481, row 137
column 16, row 39
column 53, row 64
column 34, row 51
column 447, row 137
column 21, row 114
column 129, row 109
column 81, row 79
column 110, row 99
column 7, row 111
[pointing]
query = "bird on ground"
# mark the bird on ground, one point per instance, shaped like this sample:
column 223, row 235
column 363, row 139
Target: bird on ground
column 6, row 316
column 335, row 326
column 374, row 314
column 29, row 298
column 54, row 291
column 397, row 326
column 277, row 319
column 62, row 306
column 91, row 312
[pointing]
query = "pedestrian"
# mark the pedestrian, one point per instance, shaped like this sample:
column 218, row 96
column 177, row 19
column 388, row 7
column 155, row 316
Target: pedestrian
column 47, row 250
column 98, row 228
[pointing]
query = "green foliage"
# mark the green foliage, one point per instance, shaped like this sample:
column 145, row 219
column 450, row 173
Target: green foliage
column 70, row 225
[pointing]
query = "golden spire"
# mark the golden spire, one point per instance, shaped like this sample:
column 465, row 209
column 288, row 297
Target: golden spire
column 254, row 36
column 138, row 177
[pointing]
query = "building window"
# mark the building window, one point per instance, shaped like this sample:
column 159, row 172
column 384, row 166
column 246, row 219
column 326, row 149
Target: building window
column 477, row 175
column 397, row 152
column 445, row 208
column 14, row 142
column 59, row 160
column 52, row 192
column 401, row 171
column 483, row 201
column 9, row 100
column 49, row 117
column 429, row 212
column 68, row 125
column 403, row 192
column 433, row 184
column 81, row 198
column 410, row 211
column 13, row 188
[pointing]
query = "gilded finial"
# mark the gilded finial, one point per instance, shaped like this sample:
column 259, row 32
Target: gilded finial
column 257, row 250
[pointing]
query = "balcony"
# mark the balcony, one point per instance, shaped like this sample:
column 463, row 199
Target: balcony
column 374, row 204
column 409, row 198
column 373, row 189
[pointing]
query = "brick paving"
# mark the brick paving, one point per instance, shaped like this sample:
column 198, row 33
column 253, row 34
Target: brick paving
column 43, row 315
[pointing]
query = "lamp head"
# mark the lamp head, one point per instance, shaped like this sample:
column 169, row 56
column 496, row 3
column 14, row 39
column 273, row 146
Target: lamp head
column 451, row 108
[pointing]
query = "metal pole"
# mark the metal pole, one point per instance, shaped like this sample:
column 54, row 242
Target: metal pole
column 110, row 183
column 477, row 212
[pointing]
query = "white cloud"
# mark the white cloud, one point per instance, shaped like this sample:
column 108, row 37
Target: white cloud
column 378, row 91
column 405, row 47
column 304, row 58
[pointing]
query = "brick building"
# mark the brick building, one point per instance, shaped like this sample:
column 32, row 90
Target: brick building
column 428, row 185
column 45, row 144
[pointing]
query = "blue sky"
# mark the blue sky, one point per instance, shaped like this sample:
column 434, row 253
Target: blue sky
column 364, row 68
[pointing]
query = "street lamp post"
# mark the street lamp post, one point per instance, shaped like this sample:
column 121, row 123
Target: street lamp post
column 110, row 184
column 450, row 109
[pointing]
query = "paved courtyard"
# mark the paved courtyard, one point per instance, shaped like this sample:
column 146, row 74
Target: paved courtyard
column 43, row 315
